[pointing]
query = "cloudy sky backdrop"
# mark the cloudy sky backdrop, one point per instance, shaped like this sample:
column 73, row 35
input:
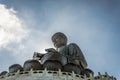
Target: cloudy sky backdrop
column 26, row 26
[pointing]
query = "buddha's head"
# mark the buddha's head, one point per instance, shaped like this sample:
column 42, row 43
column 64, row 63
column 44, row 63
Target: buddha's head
column 59, row 39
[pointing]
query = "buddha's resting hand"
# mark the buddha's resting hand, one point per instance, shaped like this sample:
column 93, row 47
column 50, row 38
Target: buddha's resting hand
column 51, row 50
column 37, row 56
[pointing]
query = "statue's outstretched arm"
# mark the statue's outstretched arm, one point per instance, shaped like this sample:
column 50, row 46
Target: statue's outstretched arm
column 38, row 56
column 50, row 50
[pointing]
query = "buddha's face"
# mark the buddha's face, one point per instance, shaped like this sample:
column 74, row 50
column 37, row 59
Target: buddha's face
column 59, row 41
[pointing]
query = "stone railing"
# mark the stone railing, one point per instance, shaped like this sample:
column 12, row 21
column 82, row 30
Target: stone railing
column 51, row 75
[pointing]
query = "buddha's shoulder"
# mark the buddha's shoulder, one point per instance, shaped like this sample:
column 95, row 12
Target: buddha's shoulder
column 72, row 45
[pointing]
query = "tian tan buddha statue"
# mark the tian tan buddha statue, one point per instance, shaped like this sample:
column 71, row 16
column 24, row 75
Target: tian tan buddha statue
column 67, row 57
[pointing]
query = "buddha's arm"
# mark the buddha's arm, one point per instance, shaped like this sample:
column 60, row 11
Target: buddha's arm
column 37, row 56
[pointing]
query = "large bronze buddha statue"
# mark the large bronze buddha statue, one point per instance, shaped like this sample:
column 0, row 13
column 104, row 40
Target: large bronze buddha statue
column 67, row 57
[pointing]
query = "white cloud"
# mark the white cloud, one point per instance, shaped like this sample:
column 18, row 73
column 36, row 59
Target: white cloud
column 12, row 29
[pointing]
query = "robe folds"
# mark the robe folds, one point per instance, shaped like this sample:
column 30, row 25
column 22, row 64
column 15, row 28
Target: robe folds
column 74, row 54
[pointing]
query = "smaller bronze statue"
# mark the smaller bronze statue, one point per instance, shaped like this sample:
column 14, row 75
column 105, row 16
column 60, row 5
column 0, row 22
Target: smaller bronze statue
column 15, row 67
column 32, row 64
column 3, row 73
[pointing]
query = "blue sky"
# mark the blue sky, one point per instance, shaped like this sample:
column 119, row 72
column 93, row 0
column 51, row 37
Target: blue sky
column 26, row 26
